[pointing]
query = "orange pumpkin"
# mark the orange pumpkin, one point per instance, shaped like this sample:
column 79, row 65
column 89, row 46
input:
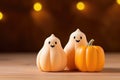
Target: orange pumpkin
column 89, row 58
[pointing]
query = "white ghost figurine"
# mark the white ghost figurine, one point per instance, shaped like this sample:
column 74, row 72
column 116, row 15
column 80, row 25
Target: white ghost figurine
column 76, row 39
column 52, row 56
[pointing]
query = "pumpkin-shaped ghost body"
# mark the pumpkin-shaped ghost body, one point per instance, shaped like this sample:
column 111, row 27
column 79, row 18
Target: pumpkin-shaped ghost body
column 76, row 39
column 52, row 56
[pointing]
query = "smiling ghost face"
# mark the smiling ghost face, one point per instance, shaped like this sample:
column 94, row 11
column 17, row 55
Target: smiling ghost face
column 78, row 36
column 52, row 41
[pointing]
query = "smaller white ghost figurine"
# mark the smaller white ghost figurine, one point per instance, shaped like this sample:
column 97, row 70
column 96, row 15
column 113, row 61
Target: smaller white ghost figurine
column 76, row 39
column 52, row 56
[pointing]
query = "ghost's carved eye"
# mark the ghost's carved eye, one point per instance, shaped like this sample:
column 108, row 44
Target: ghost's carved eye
column 80, row 37
column 74, row 37
column 55, row 42
column 49, row 42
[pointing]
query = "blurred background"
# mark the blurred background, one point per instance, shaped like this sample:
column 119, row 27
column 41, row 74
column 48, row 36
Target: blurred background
column 25, row 24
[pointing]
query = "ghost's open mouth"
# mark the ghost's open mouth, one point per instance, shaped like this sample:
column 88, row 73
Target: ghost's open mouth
column 77, row 40
column 52, row 46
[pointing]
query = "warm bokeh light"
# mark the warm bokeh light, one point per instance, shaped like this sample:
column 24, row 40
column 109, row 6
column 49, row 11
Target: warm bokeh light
column 118, row 2
column 80, row 6
column 1, row 15
column 37, row 6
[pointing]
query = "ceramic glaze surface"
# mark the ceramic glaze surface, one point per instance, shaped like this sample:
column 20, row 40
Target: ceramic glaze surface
column 52, row 56
column 77, row 38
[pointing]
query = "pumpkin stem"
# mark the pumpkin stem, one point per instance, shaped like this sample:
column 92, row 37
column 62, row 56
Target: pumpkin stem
column 91, row 42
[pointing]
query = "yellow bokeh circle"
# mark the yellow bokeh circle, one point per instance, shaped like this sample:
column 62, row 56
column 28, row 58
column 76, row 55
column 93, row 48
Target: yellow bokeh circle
column 80, row 6
column 37, row 6
column 1, row 15
column 118, row 2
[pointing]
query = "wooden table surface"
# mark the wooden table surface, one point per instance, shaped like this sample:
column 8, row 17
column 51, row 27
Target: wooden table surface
column 21, row 66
